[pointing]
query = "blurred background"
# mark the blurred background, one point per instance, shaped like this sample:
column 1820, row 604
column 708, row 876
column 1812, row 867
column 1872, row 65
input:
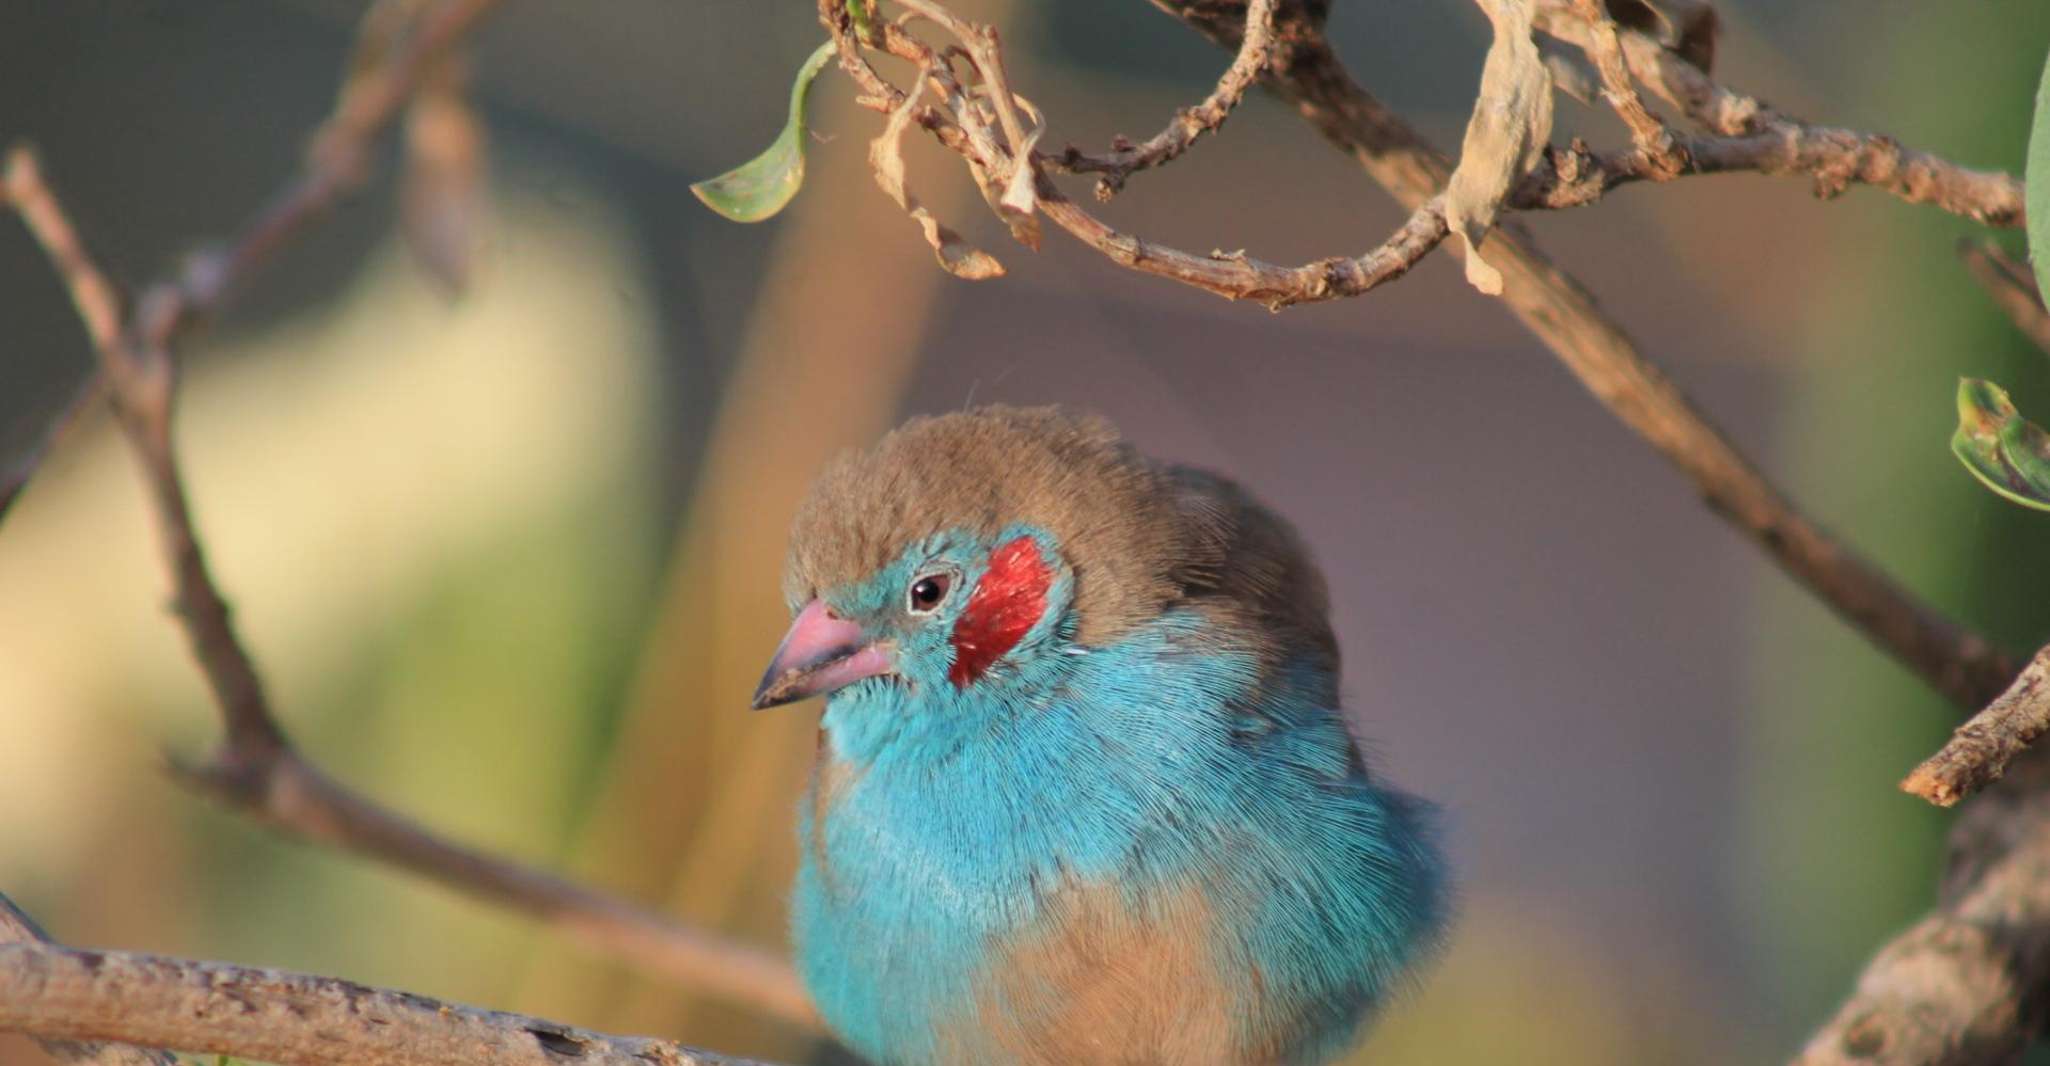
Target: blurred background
column 510, row 559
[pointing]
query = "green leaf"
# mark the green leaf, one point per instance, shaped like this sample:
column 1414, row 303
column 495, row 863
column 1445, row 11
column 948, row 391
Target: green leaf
column 858, row 10
column 762, row 186
column 2001, row 448
column 2036, row 185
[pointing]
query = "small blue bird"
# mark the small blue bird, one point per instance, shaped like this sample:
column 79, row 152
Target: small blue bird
column 1083, row 791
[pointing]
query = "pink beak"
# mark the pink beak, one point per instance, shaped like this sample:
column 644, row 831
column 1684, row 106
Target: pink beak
column 820, row 654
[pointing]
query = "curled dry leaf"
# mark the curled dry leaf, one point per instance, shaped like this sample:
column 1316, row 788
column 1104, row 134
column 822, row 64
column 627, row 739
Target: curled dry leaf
column 2007, row 452
column 886, row 156
column 1512, row 119
column 1021, row 191
column 444, row 194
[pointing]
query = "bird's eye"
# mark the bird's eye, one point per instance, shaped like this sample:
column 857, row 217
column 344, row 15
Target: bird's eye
column 928, row 592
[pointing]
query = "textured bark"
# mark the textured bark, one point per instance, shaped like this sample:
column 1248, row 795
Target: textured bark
column 288, row 1019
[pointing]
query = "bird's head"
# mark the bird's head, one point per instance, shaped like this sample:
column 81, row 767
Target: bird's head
column 970, row 554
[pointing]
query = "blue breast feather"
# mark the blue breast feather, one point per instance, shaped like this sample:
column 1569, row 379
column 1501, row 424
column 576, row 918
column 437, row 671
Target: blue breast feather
column 1160, row 762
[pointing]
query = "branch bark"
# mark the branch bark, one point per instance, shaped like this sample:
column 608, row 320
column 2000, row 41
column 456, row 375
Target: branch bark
column 1980, row 750
column 290, row 1019
column 19, row 928
column 256, row 769
column 1963, row 986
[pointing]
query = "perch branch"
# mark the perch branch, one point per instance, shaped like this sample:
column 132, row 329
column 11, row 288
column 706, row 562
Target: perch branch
column 1978, row 752
column 58, row 993
column 19, row 928
column 2011, row 285
column 1190, row 123
column 257, row 770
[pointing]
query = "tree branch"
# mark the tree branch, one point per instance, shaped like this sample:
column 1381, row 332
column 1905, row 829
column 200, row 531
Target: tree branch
column 2011, row 285
column 1189, row 123
column 1960, row 664
column 290, row 1019
column 256, row 769
column 19, row 928
column 1963, row 986
column 1775, row 143
column 1979, row 750
column 1572, row 177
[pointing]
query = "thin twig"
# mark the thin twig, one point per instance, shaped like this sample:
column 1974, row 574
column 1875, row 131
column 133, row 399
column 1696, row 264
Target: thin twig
column 2012, row 286
column 1979, row 750
column 286, row 1018
column 1834, row 158
column 19, row 928
column 1573, row 177
column 256, row 768
column 1189, row 123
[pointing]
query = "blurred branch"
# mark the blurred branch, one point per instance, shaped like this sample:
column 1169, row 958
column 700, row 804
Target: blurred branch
column 1964, row 985
column 1124, row 160
column 87, row 396
column 19, row 928
column 1979, row 750
column 1552, row 304
column 58, row 993
column 256, row 769
column 2011, row 285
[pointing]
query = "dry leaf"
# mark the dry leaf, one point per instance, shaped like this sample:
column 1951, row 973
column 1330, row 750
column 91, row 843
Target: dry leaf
column 1512, row 119
column 886, row 156
column 1021, row 192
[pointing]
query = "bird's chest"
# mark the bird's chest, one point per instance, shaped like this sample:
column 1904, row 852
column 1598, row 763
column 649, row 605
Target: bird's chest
column 947, row 897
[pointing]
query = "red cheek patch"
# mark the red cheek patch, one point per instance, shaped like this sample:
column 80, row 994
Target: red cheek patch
column 1006, row 604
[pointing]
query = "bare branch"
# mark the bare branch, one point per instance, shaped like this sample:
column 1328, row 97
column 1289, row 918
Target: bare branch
column 1834, row 158
column 1570, row 178
column 256, row 767
column 1189, row 123
column 1979, row 750
column 1956, row 662
column 290, row 1019
column 2011, row 285
column 19, row 928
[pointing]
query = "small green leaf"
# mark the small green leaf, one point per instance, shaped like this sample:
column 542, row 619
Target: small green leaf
column 762, row 186
column 2036, row 185
column 2001, row 448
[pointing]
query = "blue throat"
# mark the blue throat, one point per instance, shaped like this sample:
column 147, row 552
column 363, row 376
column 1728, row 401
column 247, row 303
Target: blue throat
column 942, row 821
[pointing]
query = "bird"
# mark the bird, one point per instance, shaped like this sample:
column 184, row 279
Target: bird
column 1083, row 791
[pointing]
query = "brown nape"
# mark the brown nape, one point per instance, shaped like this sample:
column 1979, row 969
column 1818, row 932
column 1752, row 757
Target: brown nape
column 1139, row 535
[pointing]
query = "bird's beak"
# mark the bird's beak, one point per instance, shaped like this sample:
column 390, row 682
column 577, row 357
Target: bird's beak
column 819, row 655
